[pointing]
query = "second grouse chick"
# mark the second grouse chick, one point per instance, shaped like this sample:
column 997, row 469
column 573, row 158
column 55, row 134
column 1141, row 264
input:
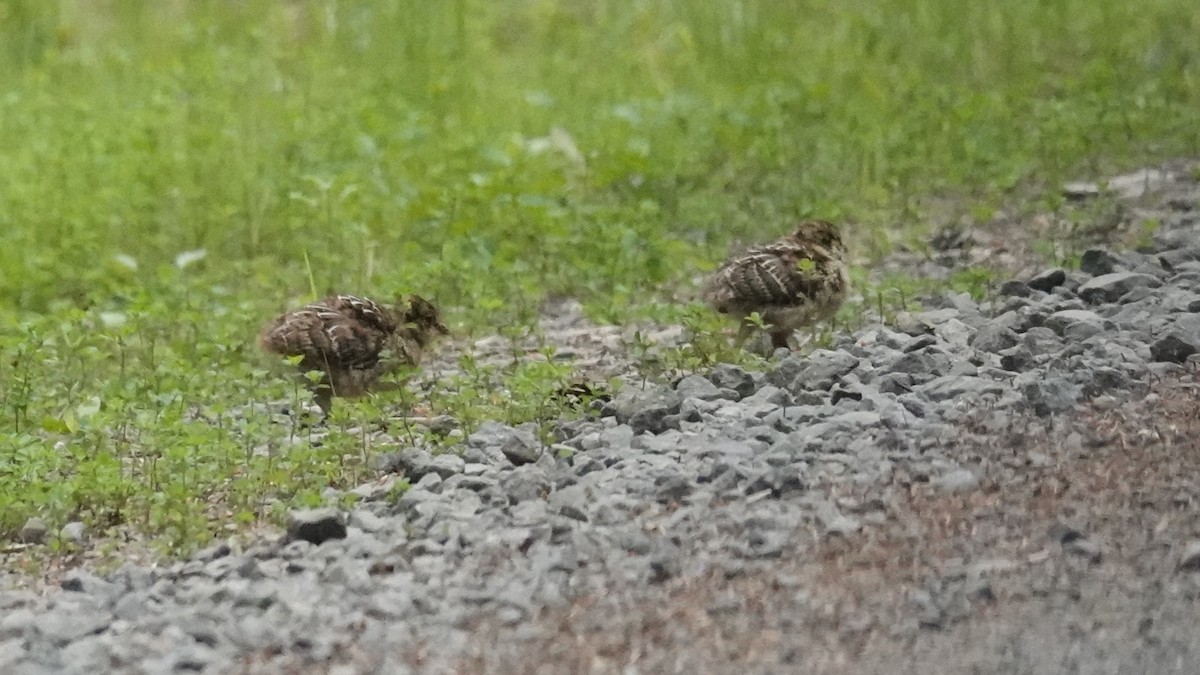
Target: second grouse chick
column 353, row 341
column 797, row 280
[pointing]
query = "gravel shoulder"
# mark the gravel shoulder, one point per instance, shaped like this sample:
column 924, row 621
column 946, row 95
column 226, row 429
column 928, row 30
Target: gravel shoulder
column 1077, row 553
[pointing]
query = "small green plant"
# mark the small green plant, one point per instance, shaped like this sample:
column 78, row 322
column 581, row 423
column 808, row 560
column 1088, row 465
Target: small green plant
column 396, row 491
column 977, row 281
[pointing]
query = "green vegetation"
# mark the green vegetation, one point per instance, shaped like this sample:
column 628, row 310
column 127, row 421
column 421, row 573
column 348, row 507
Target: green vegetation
column 175, row 173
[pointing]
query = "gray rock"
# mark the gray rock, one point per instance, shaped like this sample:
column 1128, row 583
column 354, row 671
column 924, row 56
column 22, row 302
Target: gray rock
column 816, row 372
column 492, row 435
column 632, row 400
column 1075, row 324
column 914, row 324
column 571, row 501
column 1110, row 287
column 429, row 482
column 520, row 450
column 646, row 410
column 1086, row 549
column 1048, row 280
column 1098, row 262
column 442, row 425
column 74, row 532
column 214, row 552
column 1015, row 288
column 82, row 581
column 33, row 531
column 698, row 387
column 414, row 462
column 726, row 376
column 447, row 465
column 1041, row 340
column 895, row 383
column 954, row 332
column 923, row 364
column 1189, row 559
column 671, row 487
column 654, row 421
column 70, row 622
column 316, row 525
column 376, row 490
column 994, row 338
column 950, row 387
column 1051, row 396
column 525, row 483
column 366, row 521
column 1138, row 183
column 833, row 522
column 1174, row 348
column 958, row 480
column 1017, row 359
column 761, row 544
column 1081, row 190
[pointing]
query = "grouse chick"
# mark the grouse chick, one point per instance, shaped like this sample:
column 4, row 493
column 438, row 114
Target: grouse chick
column 353, row 341
column 797, row 280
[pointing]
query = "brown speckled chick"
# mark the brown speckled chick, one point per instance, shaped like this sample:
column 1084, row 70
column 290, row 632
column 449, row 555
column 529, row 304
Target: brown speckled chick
column 353, row 341
column 797, row 280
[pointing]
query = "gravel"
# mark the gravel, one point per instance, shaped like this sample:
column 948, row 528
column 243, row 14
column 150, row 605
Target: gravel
column 723, row 472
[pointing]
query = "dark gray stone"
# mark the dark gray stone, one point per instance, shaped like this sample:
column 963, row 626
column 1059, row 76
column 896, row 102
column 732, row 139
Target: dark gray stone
column 1051, row 396
column 698, row 387
column 949, row 387
column 646, row 410
column 442, row 425
column 316, row 525
column 525, row 483
column 1017, row 359
column 1110, row 287
column 923, row 365
column 654, row 421
column 994, row 338
column 521, row 449
column 672, row 487
column 1075, row 324
column 416, row 463
column 818, row 371
column 726, row 376
column 1097, row 262
column 1048, row 280
column 1174, row 348
column 1014, row 288
column 895, row 383
column 82, row 581
column 570, row 501
column 34, row 531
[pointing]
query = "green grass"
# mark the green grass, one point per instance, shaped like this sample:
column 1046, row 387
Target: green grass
column 486, row 154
